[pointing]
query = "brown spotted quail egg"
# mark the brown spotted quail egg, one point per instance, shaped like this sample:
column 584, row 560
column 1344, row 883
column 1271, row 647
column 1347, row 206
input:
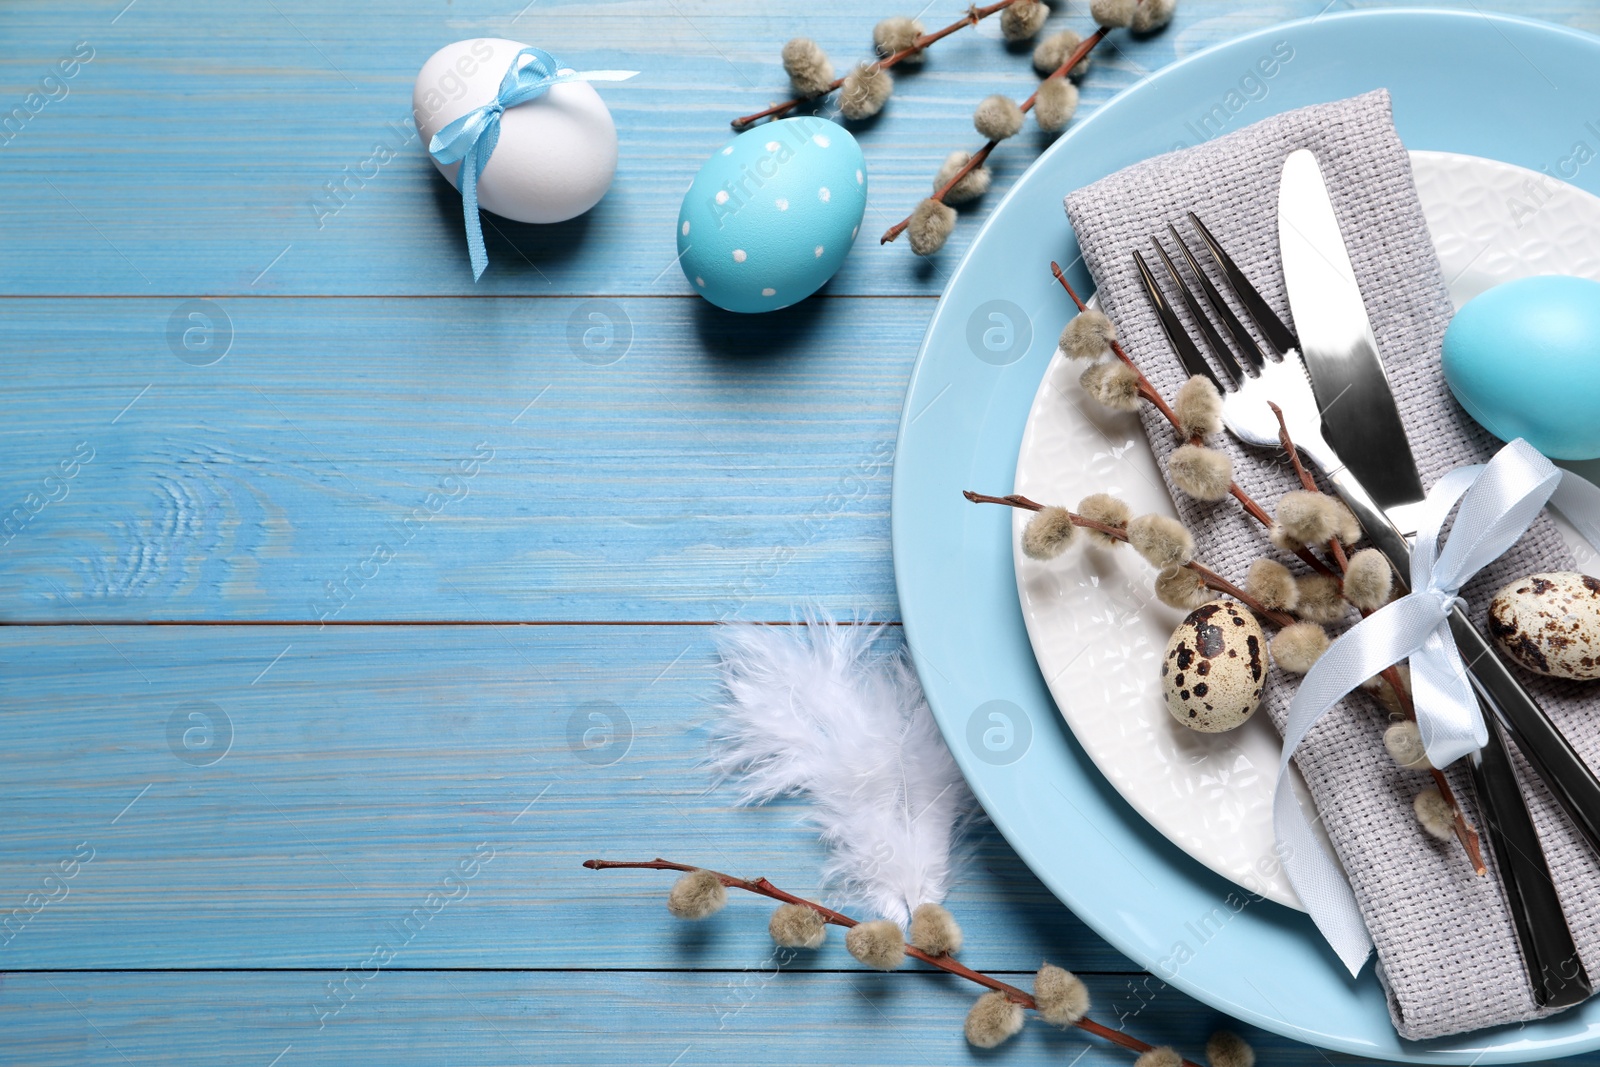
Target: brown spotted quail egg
column 1550, row 623
column 1214, row 667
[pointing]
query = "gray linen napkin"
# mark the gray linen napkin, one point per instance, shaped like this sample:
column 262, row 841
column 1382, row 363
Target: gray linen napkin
column 1447, row 953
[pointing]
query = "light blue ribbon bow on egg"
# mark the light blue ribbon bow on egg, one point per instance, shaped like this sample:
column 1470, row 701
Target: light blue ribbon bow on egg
column 470, row 139
column 1499, row 501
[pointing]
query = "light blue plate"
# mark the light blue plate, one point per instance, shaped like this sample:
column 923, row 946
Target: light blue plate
column 1504, row 88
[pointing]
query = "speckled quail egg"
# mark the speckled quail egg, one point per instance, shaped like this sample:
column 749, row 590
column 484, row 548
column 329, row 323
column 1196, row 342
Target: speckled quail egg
column 1214, row 667
column 1550, row 623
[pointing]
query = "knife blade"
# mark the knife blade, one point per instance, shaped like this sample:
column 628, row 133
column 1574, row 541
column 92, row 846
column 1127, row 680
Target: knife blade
column 1336, row 339
column 1362, row 423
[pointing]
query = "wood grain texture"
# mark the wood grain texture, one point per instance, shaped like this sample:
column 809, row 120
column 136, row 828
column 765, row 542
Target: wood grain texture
column 335, row 778
column 297, row 94
column 761, row 1014
column 722, row 467
column 707, row 473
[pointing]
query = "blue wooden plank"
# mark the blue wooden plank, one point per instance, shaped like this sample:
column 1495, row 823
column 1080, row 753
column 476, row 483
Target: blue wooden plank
column 725, row 467
column 447, row 459
column 137, row 181
column 758, row 1014
column 279, row 796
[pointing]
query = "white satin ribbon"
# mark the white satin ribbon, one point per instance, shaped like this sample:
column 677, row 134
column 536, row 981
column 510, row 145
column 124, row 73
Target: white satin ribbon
column 1499, row 501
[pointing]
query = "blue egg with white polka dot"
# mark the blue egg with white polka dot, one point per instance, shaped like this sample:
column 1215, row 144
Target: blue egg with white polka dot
column 772, row 214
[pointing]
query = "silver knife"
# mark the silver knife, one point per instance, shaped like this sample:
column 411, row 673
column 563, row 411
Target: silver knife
column 1381, row 484
column 1360, row 419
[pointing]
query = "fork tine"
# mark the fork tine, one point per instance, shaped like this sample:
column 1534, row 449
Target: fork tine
column 1219, row 348
column 1188, row 354
column 1272, row 327
column 1247, row 344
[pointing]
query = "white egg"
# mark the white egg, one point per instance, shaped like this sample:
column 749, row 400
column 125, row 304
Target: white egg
column 557, row 152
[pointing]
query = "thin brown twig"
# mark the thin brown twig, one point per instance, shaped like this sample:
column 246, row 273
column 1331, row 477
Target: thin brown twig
column 973, row 16
column 1285, row 442
column 1146, row 390
column 981, row 156
column 762, row 887
column 1307, row 482
column 1211, row 578
column 1465, row 833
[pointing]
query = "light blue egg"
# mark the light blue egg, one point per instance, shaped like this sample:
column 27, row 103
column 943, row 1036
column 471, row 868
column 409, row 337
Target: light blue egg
column 772, row 214
column 1524, row 359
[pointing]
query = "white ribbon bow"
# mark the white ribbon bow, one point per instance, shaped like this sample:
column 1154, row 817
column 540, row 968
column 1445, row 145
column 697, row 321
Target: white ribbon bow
column 1502, row 498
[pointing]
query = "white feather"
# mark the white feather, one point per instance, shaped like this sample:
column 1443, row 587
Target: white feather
column 822, row 713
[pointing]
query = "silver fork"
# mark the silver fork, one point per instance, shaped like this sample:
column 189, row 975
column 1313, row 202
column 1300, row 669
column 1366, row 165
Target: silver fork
column 1251, row 381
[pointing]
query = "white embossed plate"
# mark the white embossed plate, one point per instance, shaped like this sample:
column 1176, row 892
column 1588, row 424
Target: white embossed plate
column 1097, row 630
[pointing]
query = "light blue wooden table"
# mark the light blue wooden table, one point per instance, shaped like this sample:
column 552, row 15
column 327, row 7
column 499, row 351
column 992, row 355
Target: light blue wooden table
column 259, row 747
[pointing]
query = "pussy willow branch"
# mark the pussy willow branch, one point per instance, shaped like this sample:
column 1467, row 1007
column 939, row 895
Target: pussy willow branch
column 1211, row 578
column 762, row 887
column 981, row 155
column 1148, row 391
column 973, row 16
column 1308, row 483
column 1465, row 833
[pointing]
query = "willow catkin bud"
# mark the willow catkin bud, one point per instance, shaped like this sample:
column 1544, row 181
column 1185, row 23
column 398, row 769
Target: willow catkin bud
column 993, row 1018
column 930, row 226
column 1048, row 534
column 1203, row 473
column 1023, row 19
column 972, row 185
column 697, row 895
column 1320, row 599
column 1160, row 1056
column 864, row 92
column 1198, row 406
column 1056, row 49
column 997, row 117
column 1062, row 997
column 1297, row 647
column 1163, row 542
column 896, row 35
column 1108, row 511
column 878, row 944
column 1309, row 518
column 934, row 930
column 1151, row 15
column 1113, row 13
column 1088, row 334
column 1271, row 584
column 1368, row 580
column 1055, row 105
column 1226, row 1049
column 1403, row 741
column 1112, row 384
column 1435, row 814
column 1385, row 693
column 1182, row 588
column 797, row 926
column 1280, row 537
column 808, row 67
